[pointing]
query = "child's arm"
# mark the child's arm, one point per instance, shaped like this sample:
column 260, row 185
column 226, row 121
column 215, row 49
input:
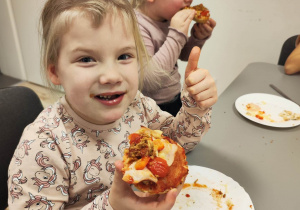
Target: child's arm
column 193, row 120
column 199, row 34
column 165, row 55
column 37, row 172
column 198, row 95
column 292, row 64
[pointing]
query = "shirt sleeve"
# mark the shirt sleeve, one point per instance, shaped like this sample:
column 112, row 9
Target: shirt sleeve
column 37, row 173
column 168, row 54
column 187, row 128
column 297, row 41
column 192, row 42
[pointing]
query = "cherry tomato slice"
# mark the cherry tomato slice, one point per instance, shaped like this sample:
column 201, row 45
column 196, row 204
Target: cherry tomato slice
column 204, row 13
column 158, row 167
column 134, row 138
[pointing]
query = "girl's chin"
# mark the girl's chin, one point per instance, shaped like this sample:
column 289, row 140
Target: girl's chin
column 109, row 118
column 103, row 116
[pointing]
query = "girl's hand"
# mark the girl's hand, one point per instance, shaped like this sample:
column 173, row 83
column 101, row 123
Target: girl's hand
column 182, row 20
column 122, row 197
column 200, row 84
column 202, row 31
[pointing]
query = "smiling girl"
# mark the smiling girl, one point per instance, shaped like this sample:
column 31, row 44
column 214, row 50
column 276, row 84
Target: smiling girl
column 93, row 49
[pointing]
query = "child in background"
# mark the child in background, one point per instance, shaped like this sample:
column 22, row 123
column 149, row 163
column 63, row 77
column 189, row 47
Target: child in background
column 164, row 27
column 292, row 64
column 70, row 156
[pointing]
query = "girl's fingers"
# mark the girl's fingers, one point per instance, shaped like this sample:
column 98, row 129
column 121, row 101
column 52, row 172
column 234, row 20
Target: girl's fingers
column 192, row 61
column 203, row 85
column 186, row 14
column 195, row 78
column 169, row 200
column 206, row 98
column 119, row 187
column 212, row 23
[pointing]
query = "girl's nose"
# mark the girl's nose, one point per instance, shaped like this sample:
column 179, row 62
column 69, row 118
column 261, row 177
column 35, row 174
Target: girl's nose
column 110, row 76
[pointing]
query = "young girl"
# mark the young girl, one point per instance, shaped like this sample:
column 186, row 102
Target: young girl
column 164, row 27
column 92, row 48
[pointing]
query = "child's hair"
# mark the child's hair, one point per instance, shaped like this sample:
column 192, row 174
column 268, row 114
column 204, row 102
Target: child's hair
column 154, row 70
column 137, row 3
column 58, row 15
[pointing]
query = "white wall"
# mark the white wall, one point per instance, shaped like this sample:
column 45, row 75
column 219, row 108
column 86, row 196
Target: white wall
column 26, row 14
column 11, row 60
column 247, row 31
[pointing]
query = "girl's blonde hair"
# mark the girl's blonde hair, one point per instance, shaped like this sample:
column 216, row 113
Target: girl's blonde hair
column 58, row 15
column 137, row 3
column 153, row 73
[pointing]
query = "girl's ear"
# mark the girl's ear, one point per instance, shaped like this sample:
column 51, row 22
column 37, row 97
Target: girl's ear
column 53, row 74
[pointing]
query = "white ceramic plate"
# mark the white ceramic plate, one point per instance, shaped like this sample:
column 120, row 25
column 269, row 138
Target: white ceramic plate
column 272, row 105
column 213, row 191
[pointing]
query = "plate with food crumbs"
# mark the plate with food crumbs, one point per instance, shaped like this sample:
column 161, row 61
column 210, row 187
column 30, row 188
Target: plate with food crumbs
column 269, row 110
column 208, row 189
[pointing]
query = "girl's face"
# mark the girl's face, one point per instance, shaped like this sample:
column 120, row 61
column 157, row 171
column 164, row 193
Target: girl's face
column 166, row 9
column 98, row 69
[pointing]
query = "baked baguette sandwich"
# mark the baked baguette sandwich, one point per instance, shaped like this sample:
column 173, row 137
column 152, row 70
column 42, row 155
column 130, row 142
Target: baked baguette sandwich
column 154, row 163
column 202, row 13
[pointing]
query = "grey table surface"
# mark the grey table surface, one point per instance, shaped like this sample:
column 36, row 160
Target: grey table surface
column 262, row 159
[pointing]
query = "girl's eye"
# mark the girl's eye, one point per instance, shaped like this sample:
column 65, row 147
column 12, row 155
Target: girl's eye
column 86, row 60
column 124, row 57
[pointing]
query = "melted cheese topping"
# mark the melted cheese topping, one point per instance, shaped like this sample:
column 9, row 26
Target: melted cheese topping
column 168, row 153
column 138, row 175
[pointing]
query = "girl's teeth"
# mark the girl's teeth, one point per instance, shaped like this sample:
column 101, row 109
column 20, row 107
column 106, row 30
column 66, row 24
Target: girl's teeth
column 106, row 97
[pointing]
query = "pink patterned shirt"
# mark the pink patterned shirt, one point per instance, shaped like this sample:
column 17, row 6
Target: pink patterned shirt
column 65, row 162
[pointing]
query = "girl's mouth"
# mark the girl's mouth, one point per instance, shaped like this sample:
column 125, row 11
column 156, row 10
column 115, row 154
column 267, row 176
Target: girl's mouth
column 109, row 99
